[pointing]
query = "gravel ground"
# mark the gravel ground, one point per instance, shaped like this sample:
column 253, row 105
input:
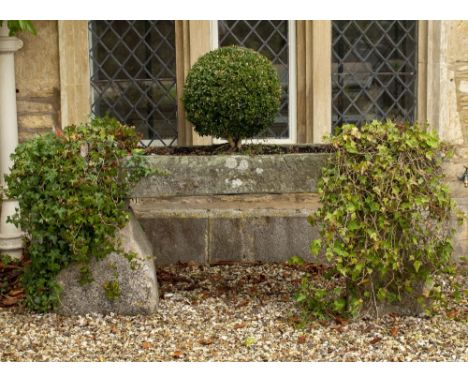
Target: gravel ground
column 230, row 313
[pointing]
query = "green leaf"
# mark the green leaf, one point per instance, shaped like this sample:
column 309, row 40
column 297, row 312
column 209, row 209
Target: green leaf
column 296, row 260
column 315, row 247
column 417, row 265
column 339, row 305
column 353, row 225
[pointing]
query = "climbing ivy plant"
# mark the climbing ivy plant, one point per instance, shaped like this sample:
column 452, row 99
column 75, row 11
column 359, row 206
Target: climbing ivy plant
column 385, row 219
column 72, row 188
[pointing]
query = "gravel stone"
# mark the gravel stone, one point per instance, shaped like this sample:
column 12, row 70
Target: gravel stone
column 231, row 313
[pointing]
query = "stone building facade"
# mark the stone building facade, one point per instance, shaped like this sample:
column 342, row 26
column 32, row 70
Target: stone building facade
column 54, row 71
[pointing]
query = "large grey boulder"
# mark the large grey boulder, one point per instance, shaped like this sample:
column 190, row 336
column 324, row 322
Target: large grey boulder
column 136, row 280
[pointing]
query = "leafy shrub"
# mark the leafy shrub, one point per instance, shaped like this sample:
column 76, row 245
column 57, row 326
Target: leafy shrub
column 232, row 93
column 384, row 220
column 72, row 190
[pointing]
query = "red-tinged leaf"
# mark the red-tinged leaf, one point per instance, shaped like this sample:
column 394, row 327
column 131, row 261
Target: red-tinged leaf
column 375, row 340
column 394, row 331
column 58, row 132
column 301, row 339
column 146, row 345
column 177, row 354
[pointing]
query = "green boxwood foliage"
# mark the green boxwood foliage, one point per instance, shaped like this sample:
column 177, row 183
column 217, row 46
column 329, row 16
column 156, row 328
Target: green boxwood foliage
column 232, row 93
column 384, row 220
column 72, row 189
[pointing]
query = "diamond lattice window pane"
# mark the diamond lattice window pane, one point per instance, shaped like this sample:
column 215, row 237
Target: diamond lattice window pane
column 373, row 71
column 133, row 75
column 270, row 38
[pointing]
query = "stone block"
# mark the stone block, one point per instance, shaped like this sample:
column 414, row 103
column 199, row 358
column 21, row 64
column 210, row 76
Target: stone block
column 177, row 238
column 260, row 238
column 229, row 240
column 277, row 238
column 138, row 285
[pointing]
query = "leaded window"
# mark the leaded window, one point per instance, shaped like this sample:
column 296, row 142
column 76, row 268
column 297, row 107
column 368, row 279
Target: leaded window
column 133, row 75
column 373, row 71
column 270, row 38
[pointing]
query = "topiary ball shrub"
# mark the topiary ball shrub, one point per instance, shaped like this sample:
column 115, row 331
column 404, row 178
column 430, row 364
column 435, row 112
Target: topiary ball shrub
column 385, row 222
column 232, row 93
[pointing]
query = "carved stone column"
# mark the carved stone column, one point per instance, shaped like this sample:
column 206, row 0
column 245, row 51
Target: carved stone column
column 10, row 236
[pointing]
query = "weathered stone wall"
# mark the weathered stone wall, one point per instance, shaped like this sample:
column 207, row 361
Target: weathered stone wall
column 38, row 81
column 457, row 60
column 453, row 122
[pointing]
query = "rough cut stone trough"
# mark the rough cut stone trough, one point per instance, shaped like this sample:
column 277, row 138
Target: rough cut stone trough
column 207, row 209
column 210, row 209
column 219, row 208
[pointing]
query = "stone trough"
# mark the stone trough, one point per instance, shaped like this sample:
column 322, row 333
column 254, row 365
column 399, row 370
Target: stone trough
column 210, row 209
column 207, row 209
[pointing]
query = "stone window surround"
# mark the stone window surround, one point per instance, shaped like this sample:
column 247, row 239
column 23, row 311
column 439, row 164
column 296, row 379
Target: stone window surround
column 313, row 74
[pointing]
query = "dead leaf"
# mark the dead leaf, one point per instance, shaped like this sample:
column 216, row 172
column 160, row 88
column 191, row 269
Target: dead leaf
column 293, row 319
column 146, row 345
column 242, row 303
column 16, row 292
column 314, row 268
column 301, row 339
column 338, row 328
column 260, row 279
column 9, row 301
column 394, row 331
column 452, row 313
column 375, row 340
column 177, row 354
column 240, row 325
column 206, row 341
column 223, row 262
column 341, row 321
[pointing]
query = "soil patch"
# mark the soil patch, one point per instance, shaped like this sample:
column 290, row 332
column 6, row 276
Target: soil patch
column 249, row 149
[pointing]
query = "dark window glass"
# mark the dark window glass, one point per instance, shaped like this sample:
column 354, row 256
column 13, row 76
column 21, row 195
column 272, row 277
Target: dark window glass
column 133, row 75
column 373, row 71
